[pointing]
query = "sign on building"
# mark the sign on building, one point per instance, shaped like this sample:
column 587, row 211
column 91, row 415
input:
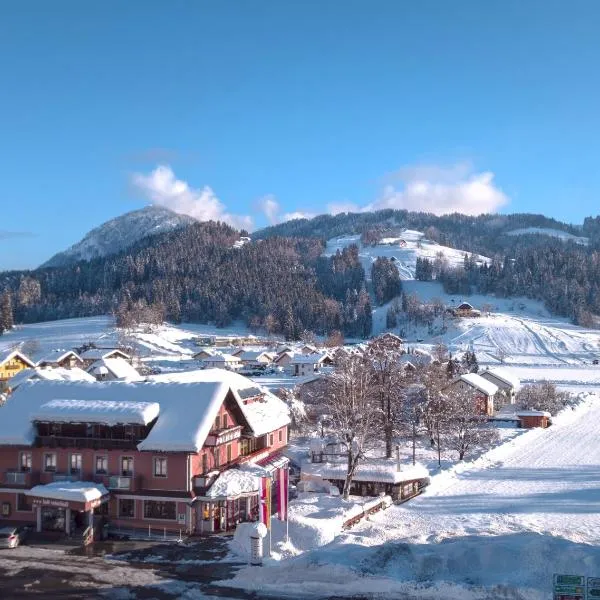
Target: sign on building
column 569, row 587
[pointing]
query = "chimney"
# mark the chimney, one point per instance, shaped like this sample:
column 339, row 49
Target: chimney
column 398, row 458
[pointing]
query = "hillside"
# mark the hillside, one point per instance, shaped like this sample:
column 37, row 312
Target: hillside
column 119, row 234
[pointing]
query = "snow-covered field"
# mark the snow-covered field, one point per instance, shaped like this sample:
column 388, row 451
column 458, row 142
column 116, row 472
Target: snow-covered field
column 557, row 233
column 414, row 245
column 498, row 527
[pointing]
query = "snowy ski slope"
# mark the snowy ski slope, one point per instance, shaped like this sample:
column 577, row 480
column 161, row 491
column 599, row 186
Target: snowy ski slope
column 414, row 244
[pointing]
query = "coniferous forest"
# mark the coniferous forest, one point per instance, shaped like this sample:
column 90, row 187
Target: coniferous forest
column 282, row 283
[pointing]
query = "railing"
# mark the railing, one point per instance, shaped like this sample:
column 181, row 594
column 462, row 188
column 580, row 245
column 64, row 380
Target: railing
column 51, row 441
column 16, row 478
column 223, row 436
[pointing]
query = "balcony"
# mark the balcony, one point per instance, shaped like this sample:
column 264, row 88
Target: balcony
column 24, row 479
column 51, row 441
column 223, row 436
column 66, row 477
column 121, row 482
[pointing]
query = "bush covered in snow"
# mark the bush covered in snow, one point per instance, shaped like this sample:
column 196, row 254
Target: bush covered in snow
column 544, row 396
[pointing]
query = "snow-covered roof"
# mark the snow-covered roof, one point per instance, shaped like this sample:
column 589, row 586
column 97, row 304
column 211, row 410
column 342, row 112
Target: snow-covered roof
column 477, row 381
column 107, row 412
column 118, row 367
column 383, row 470
column 310, row 359
column 98, row 353
column 188, row 401
column 6, row 355
column 222, row 358
column 55, row 357
column 69, row 491
column 56, row 374
column 252, row 354
column 232, row 483
column 505, row 376
column 263, row 416
column 533, row 413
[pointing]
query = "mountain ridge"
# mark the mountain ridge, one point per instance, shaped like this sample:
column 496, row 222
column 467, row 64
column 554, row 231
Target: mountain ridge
column 120, row 233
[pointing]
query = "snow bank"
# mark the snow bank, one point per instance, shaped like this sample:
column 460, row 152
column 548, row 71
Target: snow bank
column 381, row 470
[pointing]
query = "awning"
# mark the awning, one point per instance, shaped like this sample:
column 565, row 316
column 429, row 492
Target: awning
column 77, row 495
column 274, row 462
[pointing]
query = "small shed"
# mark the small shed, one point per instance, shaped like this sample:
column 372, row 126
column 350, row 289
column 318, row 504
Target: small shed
column 534, row 418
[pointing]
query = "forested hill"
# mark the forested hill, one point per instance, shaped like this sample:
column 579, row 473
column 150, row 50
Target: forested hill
column 281, row 281
column 484, row 234
column 196, row 274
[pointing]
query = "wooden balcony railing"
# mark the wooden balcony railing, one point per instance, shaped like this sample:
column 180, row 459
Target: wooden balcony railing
column 51, row 441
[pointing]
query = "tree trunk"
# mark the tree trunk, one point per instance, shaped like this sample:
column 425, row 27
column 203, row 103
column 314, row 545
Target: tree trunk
column 438, row 446
column 414, row 442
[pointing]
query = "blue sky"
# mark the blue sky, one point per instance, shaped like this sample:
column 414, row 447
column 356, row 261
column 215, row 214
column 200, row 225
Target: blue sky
column 251, row 111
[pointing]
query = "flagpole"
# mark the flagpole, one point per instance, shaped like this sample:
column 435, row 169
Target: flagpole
column 287, row 506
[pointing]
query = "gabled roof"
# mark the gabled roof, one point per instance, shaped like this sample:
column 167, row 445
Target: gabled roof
column 505, row 376
column 478, row 382
column 465, row 306
column 310, row 359
column 263, row 415
column 253, row 354
column 55, row 357
column 222, row 358
column 118, row 367
column 98, row 353
column 56, row 374
column 6, row 355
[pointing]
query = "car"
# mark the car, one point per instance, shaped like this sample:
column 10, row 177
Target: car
column 11, row 537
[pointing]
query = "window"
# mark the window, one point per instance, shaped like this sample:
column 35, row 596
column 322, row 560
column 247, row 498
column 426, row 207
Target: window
column 25, row 462
column 159, row 510
column 126, row 508
column 228, row 453
column 218, row 422
column 160, row 467
column 5, row 509
column 205, row 463
column 224, row 421
column 101, row 465
column 271, row 439
column 23, row 503
column 126, row 466
column 50, row 462
column 244, row 447
column 75, row 464
column 217, row 456
column 281, row 435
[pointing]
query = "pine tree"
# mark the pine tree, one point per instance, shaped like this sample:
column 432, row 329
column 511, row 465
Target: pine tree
column 6, row 312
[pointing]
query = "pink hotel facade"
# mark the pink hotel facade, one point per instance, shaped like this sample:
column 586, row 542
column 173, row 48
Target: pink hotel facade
column 166, row 454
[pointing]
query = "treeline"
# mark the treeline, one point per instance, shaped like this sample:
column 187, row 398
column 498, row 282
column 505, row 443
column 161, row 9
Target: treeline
column 194, row 274
column 566, row 277
column 481, row 234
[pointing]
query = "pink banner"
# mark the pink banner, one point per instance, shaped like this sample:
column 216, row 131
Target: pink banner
column 283, row 477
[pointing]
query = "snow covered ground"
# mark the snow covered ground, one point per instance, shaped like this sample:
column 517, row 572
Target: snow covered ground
column 405, row 249
column 558, row 233
column 498, row 527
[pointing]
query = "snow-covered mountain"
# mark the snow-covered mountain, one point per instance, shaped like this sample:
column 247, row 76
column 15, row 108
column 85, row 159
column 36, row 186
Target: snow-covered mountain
column 120, row 233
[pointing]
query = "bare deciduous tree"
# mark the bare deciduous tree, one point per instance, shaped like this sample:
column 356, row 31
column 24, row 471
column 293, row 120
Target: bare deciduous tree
column 544, row 396
column 353, row 408
column 466, row 427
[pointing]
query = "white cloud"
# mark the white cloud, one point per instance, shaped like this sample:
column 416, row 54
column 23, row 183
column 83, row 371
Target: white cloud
column 442, row 190
column 163, row 188
column 334, row 208
column 297, row 215
column 270, row 207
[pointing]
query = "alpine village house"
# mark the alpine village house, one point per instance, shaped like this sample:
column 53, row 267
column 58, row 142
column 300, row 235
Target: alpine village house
column 175, row 454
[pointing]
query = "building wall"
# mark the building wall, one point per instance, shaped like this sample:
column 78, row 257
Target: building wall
column 11, row 367
column 143, row 466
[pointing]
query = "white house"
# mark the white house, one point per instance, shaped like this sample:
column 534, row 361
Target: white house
column 305, row 364
column 223, row 361
column 479, row 389
column 254, row 358
column 507, row 383
column 114, row 369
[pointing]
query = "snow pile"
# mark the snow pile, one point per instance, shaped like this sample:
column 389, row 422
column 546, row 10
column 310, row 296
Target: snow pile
column 107, row 412
column 76, row 491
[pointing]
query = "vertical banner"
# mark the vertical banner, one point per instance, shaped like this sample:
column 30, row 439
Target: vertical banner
column 265, row 501
column 283, row 479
